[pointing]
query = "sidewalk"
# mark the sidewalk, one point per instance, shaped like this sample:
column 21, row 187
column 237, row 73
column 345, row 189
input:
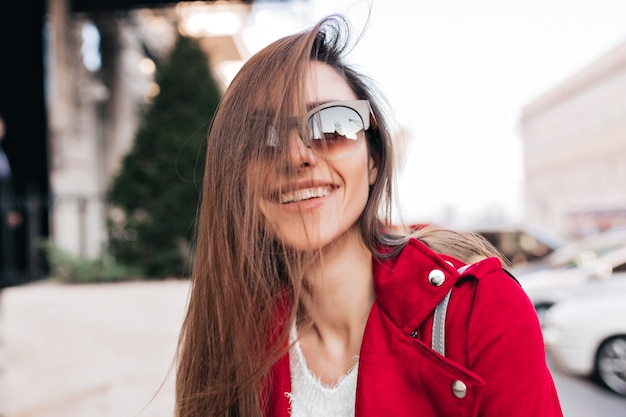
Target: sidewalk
column 99, row 350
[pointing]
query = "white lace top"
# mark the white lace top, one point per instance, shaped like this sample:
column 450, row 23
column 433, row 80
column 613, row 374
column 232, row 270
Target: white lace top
column 310, row 397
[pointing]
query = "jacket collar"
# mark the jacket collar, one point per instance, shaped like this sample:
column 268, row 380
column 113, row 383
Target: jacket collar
column 409, row 286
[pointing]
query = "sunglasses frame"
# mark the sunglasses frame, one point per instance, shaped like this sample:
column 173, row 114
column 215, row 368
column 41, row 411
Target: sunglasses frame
column 361, row 107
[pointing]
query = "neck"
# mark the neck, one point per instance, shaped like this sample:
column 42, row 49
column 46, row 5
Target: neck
column 341, row 286
column 338, row 300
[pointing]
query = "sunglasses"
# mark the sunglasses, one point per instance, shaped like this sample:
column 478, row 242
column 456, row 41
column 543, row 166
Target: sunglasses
column 331, row 129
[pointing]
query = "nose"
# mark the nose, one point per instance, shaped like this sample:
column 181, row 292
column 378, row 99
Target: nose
column 299, row 154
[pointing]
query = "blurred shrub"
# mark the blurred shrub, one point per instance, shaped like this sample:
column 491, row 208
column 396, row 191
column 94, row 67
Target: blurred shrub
column 155, row 195
column 68, row 268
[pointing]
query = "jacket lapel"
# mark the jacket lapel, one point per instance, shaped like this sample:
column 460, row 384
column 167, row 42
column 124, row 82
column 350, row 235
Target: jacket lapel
column 409, row 287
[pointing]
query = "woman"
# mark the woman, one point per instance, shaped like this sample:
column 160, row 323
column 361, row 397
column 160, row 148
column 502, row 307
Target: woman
column 303, row 303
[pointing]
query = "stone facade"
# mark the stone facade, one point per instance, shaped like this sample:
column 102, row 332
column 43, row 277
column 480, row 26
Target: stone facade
column 93, row 116
column 575, row 150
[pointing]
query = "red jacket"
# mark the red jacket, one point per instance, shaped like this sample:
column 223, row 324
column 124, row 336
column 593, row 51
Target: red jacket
column 494, row 364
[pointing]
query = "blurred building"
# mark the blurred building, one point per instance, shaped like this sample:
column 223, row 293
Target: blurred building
column 101, row 60
column 575, row 150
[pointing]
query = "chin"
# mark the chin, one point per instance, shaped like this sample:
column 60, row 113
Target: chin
column 302, row 243
column 307, row 241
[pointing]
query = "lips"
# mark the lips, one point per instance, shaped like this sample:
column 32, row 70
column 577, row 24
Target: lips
column 304, row 194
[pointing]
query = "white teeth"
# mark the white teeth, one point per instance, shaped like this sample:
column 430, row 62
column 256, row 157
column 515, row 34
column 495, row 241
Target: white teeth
column 303, row 194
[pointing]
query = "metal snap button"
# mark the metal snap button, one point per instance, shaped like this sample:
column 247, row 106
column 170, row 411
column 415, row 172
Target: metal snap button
column 459, row 389
column 436, row 277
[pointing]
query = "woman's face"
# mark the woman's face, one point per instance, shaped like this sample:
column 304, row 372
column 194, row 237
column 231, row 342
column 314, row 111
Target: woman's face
column 315, row 201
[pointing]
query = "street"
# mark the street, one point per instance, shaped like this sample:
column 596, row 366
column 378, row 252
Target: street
column 107, row 350
column 581, row 397
column 99, row 350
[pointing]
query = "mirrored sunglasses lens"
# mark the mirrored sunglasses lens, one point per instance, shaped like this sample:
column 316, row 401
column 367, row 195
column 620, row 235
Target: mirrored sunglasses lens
column 334, row 130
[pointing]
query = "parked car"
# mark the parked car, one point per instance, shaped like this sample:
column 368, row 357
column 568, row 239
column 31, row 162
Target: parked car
column 576, row 253
column 522, row 245
column 601, row 271
column 586, row 335
column 545, row 297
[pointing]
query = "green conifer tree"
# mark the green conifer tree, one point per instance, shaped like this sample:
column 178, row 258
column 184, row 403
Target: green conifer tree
column 158, row 185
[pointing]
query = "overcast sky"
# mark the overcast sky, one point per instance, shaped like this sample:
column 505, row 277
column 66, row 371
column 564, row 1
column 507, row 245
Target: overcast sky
column 457, row 74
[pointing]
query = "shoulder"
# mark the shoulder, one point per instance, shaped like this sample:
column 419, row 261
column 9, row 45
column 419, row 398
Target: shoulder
column 496, row 287
column 502, row 315
column 495, row 292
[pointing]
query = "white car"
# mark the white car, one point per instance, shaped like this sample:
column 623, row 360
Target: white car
column 586, row 335
column 591, row 270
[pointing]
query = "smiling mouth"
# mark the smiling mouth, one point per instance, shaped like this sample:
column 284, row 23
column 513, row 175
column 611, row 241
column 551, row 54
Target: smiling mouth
column 303, row 194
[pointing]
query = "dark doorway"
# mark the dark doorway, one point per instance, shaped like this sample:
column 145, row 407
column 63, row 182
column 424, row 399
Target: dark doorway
column 22, row 105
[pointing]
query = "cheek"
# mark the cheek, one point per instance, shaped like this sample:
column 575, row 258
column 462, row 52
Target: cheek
column 362, row 173
column 357, row 178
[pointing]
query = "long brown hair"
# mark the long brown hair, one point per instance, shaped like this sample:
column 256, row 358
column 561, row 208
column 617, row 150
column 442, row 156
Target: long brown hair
column 241, row 276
